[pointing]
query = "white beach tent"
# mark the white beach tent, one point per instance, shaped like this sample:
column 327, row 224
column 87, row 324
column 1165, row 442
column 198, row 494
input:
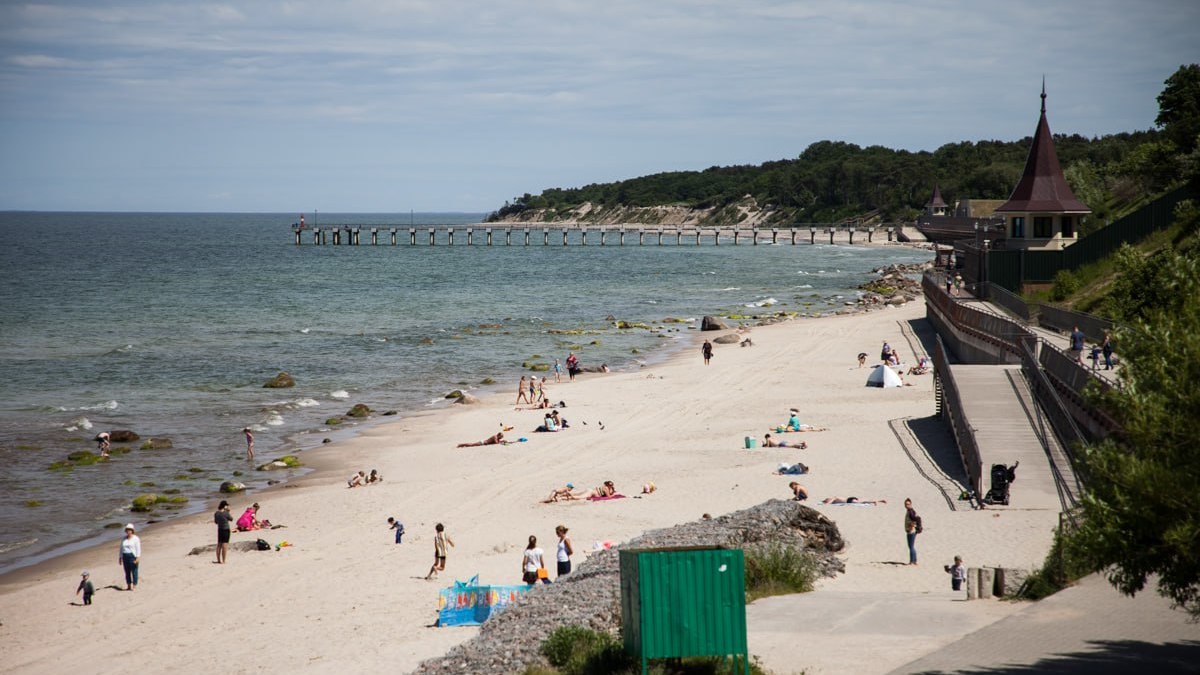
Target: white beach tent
column 883, row 376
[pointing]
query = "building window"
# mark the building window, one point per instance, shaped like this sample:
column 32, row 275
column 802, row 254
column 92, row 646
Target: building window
column 1043, row 227
column 1068, row 227
column 1018, row 227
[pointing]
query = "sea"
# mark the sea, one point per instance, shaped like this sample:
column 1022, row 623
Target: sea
column 169, row 324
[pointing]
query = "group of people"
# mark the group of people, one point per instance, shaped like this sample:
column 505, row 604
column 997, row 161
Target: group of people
column 602, row 491
column 533, row 564
column 1103, row 349
column 361, row 478
column 553, row 422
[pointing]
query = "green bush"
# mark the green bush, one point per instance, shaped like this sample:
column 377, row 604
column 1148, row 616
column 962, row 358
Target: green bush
column 1066, row 284
column 1060, row 569
column 778, row 569
column 576, row 650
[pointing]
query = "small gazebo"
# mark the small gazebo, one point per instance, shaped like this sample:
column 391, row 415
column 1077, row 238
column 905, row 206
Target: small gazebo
column 1042, row 213
column 936, row 206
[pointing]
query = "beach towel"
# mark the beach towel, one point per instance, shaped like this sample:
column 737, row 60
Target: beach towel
column 604, row 499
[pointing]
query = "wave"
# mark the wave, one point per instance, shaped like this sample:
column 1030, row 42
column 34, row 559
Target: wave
column 79, row 423
column 305, row 330
column 763, row 303
column 804, row 286
column 119, row 350
column 107, row 405
column 5, row 547
column 731, row 288
column 339, row 394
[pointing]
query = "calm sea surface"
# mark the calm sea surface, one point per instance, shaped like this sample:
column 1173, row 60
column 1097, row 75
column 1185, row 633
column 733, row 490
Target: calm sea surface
column 168, row 325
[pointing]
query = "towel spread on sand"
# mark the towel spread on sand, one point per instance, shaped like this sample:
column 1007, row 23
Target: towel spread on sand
column 604, row 499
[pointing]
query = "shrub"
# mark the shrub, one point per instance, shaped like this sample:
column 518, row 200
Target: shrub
column 576, row 650
column 1066, row 284
column 1060, row 569
column 778, row 569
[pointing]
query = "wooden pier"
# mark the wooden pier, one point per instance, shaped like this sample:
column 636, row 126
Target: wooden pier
column 352, row 235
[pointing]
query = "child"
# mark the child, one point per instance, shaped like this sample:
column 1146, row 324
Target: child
column 398, row 526
column 439, row 551
column 85, row 586
column 958, row 573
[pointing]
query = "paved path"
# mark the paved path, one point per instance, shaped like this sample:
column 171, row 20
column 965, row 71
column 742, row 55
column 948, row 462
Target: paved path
column 997, row 405
column 1089, row 628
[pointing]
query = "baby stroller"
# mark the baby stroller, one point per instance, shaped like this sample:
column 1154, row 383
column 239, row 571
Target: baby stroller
column 1002, row 478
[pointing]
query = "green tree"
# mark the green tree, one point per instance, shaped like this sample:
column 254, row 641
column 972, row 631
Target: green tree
column 1141, row 514
column 1179, row 108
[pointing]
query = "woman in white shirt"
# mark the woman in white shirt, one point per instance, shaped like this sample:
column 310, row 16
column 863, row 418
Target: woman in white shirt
column 130, row 556
column 532, row 565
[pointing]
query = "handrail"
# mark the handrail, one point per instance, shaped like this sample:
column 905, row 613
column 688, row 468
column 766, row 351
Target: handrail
column 952, row 410
column 1063, row 425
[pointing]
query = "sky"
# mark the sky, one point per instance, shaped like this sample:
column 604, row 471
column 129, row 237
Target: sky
column 457, row 105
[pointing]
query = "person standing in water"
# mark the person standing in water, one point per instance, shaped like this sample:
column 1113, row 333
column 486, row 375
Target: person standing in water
column 249, row 443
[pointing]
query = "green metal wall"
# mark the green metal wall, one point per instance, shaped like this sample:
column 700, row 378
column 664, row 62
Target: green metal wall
column 683, row 602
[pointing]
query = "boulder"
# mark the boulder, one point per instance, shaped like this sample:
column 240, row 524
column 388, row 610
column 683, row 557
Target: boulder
column 122, row 436
column 730, row 339
column 229, row 487
column 391, row 413
column 457, row 393
column 896, row 299
column 280, row 381
column 359, row 410
column 467, row 399
column 712, row 323
column 157, row 444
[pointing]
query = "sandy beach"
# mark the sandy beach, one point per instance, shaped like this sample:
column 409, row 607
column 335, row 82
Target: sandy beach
column 345, row 597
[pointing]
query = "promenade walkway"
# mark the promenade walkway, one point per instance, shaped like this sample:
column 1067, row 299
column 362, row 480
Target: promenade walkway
column 998, row 405
column 1088, row 628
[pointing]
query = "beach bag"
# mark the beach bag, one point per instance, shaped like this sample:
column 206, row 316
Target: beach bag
column 542, row 573
column 263, row 545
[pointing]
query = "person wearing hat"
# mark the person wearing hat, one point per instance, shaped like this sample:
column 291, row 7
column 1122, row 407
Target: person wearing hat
column 130, row 556
column 86, row 587
column 561, row 494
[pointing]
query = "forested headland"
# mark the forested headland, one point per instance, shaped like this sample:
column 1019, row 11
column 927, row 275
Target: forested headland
column 833, row 180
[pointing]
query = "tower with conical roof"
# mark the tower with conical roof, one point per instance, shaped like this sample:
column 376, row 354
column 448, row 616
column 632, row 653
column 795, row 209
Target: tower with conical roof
column 1042, row 213
column 936, row 206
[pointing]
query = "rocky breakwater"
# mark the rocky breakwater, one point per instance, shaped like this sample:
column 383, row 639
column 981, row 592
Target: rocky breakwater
column 896, row 285
column 590, row 596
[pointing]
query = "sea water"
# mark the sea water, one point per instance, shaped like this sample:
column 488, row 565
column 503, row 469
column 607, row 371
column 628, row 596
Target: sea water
column 169, row 324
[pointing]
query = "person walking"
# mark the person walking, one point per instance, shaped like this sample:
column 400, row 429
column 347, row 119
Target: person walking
column 439, row 550
column 1077, row 344
column 249, row 443
column 222, row 517
column 912, row 527
column 130, row 556
column 958, row 573
column 565, row 551
column 521, row 391
column 706, row 350
column 1107, row 348
column 533, row 567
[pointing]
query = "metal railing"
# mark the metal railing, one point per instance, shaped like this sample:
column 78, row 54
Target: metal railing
column 1072, row 379
column 1065, row 320
column 952, row 412
column 979, row 323
column 1061, row 422
column 1010, row 301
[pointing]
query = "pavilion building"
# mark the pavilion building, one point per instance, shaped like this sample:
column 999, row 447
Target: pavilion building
column 1042, row 213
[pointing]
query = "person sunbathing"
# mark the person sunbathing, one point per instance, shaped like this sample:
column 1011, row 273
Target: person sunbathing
column 601, row 491
column 497, row 439
column 852, row 500
column 797, row 469
column 798, row 492
column 562, row 494
column 921, row 368
column 769, row 442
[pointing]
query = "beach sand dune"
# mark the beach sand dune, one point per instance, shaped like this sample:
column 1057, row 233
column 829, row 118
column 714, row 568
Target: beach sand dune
column 345, row 598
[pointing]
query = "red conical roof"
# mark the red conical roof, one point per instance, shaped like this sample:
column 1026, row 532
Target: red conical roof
column 1042, row 186
column 936, row 201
